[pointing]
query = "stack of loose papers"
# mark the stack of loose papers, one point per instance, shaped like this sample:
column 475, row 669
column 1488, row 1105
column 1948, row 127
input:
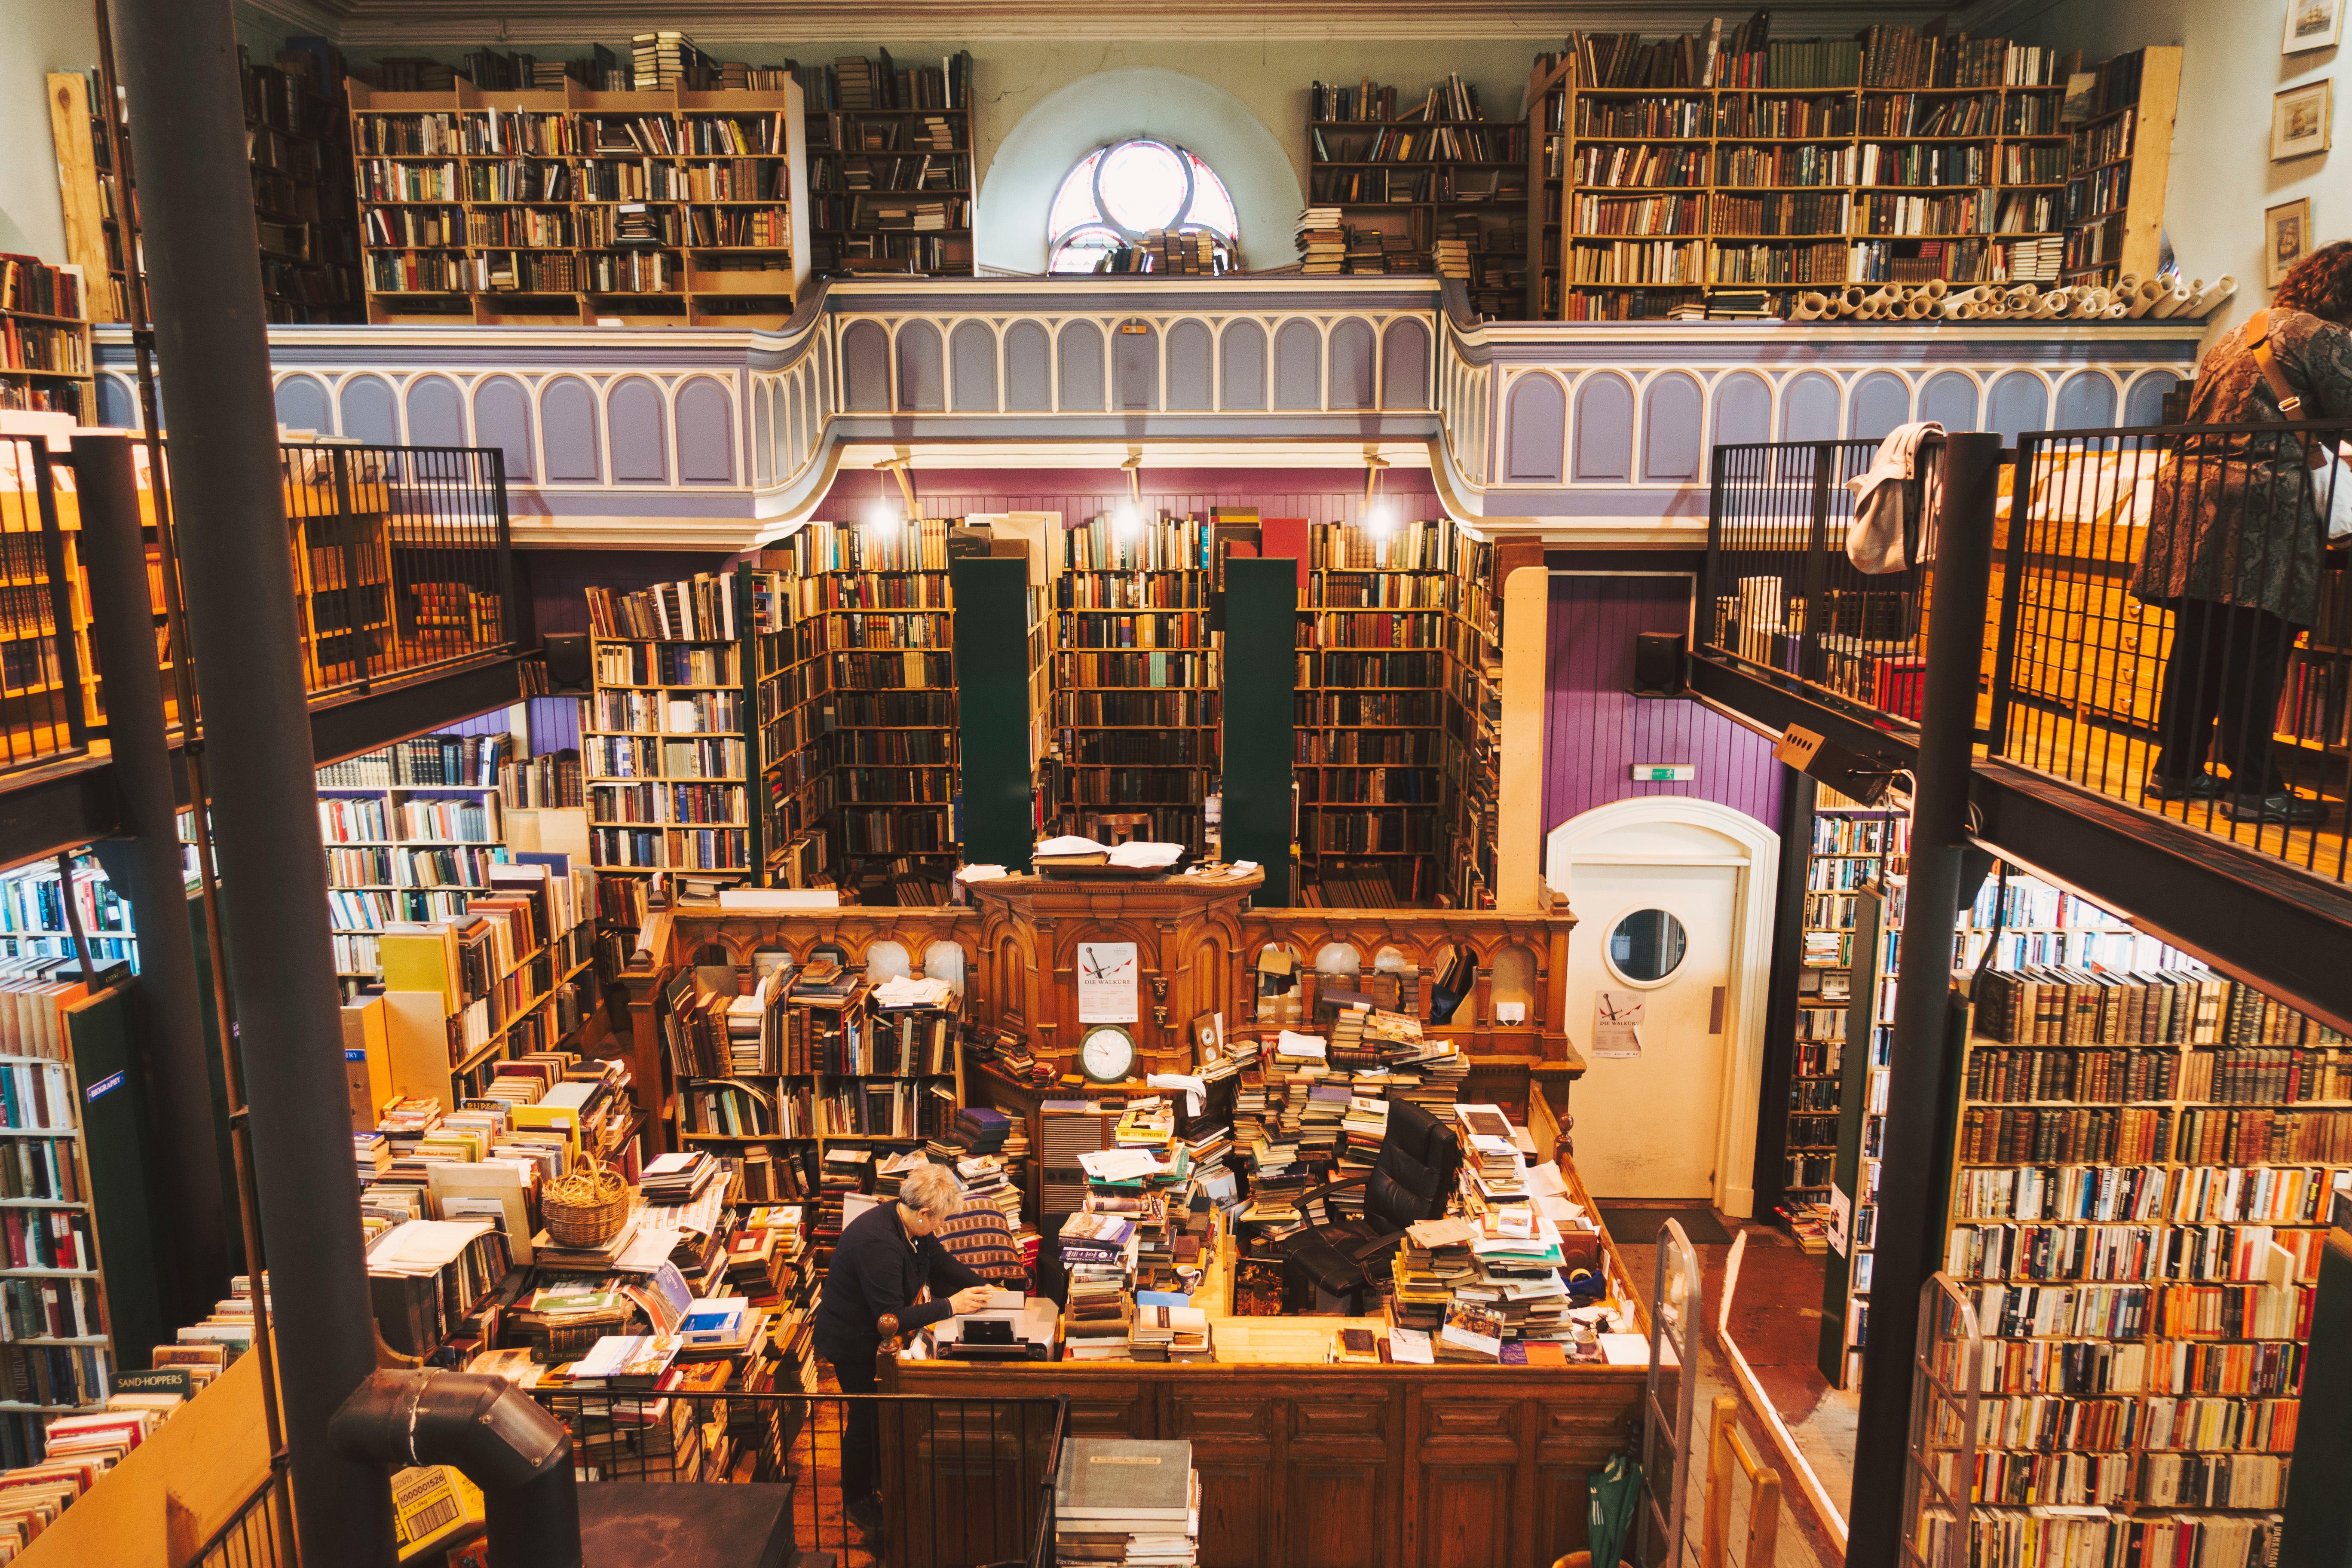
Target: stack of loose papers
column 905, row 990
column 1121, row 1500
column 1142, row 857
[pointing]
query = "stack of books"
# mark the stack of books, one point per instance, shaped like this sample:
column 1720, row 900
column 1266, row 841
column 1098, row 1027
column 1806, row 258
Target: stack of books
column 1169, row 1334
column 1322, row 241
column 1098, row 1250
column 1123, row 1500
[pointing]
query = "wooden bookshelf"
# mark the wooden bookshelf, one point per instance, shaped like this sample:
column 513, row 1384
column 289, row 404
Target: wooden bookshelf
column 1551, row 86
column 45, row 353
column 890, row 165
column 410, row 832
column 843, row 1072
column 658, row 207
column 1435, row 187
column 875, row 648
column 1692, row 176
column 1136, row 680
column 33, row 920
column 1473, row 717
column 48, row 1276
column 1372, row 709
column 790, row 849
column 298, row 151
column 665, row 755
column 2119, row 160
column 2187, row 1133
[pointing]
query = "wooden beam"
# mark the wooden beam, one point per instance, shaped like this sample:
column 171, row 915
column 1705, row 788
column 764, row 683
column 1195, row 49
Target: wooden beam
column 85, row 211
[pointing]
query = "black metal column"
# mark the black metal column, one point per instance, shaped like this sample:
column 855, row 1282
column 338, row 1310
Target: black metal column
column 1909, row 1243
column 1798, row 792
column 145, row 865
column 186, row 110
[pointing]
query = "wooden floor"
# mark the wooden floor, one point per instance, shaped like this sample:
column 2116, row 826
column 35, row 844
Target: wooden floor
column 2117, row 764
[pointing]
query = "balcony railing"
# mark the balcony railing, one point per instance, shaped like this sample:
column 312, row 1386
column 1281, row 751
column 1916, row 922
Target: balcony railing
column 401, row 557
column 2167, row 623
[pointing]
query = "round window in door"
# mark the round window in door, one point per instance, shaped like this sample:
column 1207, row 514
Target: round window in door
column 1646, row 947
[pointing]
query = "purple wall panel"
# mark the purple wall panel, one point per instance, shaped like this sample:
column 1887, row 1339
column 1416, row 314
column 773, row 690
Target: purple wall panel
column 1594, row 732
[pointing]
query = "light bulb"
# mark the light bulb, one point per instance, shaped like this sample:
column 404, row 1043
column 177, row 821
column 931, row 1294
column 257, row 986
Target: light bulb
column 1126, row 517
column 886, row 514
column 1380, row 517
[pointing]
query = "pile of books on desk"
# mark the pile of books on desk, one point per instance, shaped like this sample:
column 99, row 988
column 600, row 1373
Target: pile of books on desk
column 1121, row 1500
column 1098, row 1251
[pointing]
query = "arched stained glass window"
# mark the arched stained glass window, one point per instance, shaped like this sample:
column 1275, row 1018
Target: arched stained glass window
column 1125, row 194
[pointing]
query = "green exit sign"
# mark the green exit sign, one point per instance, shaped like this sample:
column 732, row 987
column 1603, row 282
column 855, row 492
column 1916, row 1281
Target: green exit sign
column 1663, row 773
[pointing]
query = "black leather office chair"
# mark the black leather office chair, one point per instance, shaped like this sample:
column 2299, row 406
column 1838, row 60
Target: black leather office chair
column 1420, row 1158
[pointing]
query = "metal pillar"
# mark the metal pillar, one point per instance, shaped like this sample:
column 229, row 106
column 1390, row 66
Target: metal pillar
column 145, row 864
column 1910, row 1233
column 180, row 65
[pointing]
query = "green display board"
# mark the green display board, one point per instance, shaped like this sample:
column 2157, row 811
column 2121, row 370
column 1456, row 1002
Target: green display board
column 992, row 648
column 1260, row 681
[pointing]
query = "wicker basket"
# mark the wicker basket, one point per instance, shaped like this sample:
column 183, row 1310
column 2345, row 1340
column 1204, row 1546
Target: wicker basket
column 586, row 1208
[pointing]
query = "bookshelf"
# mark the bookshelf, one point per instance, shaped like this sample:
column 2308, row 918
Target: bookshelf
column 1551, row 86
column 411, row 833
column 890, row 166
column 1474, row 717
column 298, row 151
column 1136, row 679
column 1436, row 187
column 56, row 1352
column 666, row 207
column 1374, row 691
column 2142, row 1179
column 510, row 978
column 875, row 636
column 33, row 924
column 1723, row 174
column 776, row 1080
column 663, row 752
column 2119, row 158
column 45, row 354
column 791, row 850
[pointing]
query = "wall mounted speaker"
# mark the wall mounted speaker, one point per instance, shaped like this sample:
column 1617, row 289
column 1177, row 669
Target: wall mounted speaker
column 567, row 664
column 1657, row 664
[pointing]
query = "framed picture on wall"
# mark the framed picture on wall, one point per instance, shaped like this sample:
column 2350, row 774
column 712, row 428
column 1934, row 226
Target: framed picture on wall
column 2312, row 25
column 2299, row 119
column 2287, row 238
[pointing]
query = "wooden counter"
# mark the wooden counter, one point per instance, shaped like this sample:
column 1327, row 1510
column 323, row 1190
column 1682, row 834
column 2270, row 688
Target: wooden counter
column 1303, row 1464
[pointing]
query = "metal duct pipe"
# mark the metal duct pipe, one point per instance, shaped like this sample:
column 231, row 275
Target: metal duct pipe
column 187, row 117
column 495, row 1433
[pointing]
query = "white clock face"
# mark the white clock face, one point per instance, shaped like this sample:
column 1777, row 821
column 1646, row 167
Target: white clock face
column 1107, row 1056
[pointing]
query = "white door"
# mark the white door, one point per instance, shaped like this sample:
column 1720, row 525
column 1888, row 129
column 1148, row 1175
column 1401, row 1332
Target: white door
column 1649, row 1126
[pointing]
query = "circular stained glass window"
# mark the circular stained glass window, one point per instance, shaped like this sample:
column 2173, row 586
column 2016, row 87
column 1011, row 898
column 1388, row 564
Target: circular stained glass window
column 1119, row 194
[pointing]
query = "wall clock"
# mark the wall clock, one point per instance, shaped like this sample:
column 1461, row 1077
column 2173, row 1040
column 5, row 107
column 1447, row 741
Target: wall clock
column 1107, row 1054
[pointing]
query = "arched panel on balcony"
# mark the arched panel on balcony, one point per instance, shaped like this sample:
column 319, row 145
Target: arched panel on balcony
column 1028, row 369
column 637, row 428
column 1135, row 369
column 502, row 419
column 1604, row 429
column 1535, row 426
column 1242, row 381
column 1670, row 429
column 567, row 422
column 1192, row 367
column 1404, row 364
column 436, row 413
column 1298, row 365
column 706, row 432
column 1080, row 355
column 972, row 363
column 865, row 368
column 1354, row 365
column 922, row 374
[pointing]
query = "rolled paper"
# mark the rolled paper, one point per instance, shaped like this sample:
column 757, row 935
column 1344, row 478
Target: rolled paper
column 1810, row 307
column 1918, row 307
column 2171, row 303
column 2045, row 308
column 2143, row 299
column 2116, row 313
column 2210, row 299
column 1854, row 296
column 2126, row 284
column 1956, row 308
column 1936, row 288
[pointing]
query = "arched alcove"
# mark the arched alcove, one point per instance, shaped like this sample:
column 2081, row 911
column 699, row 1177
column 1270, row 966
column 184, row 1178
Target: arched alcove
column 2087, row 402
column 1028, row 368
column 1080, row 352
column 637, row 430
column 1242, row 382
column 1949, row 399
column 1191, row 367
column 567, row 418
column 888, row 960
column 706, row 432
column 1604, row 429
column 1535, row 424
column 303, row 404
column 944, row 961
column 2018, row 402
column 1338, row 958
column 1298, row 365
column 1352, row 367
column 972, row 365
column 1670, row 428
column 436, row 413
column 1404, row 364
column 1881, row 401
column 1039, row 151
column 1743, row 409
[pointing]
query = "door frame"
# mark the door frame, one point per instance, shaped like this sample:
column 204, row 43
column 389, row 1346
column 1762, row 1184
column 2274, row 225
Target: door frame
column 1755, row 857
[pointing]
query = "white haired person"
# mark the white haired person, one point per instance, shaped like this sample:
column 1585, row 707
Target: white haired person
column 885, row 1255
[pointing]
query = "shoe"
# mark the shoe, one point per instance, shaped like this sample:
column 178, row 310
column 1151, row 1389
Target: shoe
column 2204, row 787
column 2294, row 810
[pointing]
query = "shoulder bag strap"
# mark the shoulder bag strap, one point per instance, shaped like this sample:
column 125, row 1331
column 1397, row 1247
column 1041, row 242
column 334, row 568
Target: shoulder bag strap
column 2258, row 338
